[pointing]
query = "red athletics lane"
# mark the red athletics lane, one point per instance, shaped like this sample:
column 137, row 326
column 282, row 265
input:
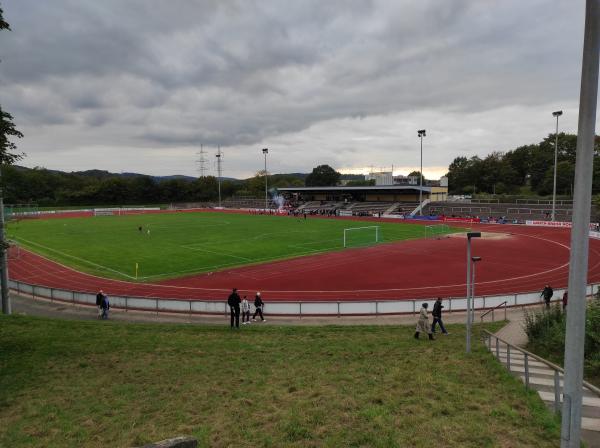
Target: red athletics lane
column 515, row 259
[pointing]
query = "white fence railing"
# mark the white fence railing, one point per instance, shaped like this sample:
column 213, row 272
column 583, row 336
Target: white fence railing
column 334, row 308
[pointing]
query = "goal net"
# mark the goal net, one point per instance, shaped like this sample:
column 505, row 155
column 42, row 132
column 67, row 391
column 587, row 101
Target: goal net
column 361, row 236
column 437, row 231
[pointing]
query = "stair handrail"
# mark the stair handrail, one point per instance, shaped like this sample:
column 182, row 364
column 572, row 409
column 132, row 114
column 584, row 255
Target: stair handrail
column 505, row 303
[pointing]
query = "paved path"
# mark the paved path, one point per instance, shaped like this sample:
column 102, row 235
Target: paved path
column 42, row 307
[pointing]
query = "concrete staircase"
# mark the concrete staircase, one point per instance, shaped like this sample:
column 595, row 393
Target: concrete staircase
column 547, row 379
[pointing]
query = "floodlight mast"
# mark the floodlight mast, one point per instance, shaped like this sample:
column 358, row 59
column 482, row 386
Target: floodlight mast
column 421, row 134
column 556, row 114
column 265, row 151
column 219, row 154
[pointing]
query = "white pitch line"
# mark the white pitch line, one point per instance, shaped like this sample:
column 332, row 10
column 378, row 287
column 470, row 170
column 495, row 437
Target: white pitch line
column 83, row 260
column 218, row 253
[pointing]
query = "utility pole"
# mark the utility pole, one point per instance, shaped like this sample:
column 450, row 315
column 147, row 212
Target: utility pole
column 578, row 264
column 219, row 155
column 201, row 161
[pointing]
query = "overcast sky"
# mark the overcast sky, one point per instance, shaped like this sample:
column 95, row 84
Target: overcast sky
column 139, row 85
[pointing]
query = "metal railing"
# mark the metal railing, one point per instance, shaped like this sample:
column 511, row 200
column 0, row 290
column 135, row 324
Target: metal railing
column 492, row 311
column 334, row 308
column 558, row 371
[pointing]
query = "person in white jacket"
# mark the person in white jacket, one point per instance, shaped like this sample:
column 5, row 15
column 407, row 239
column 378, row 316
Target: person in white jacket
column 245, row 311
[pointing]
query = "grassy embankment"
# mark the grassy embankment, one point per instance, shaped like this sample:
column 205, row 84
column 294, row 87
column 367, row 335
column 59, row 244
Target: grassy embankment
column 546, row 333
column 66, row 383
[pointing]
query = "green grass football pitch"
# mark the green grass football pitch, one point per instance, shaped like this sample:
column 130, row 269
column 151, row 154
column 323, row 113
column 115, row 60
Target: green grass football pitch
column 177, row 244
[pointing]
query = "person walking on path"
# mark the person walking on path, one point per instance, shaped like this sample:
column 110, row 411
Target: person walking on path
column 565, row 300
column 234, row 307
column 437, row 316
column 245, row 311
column 547, row 294
column 105, row 307
column 423, row 323
column 258, row 304
column 99, row 298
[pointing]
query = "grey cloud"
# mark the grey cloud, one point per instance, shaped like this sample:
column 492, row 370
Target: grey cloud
column 236, row 73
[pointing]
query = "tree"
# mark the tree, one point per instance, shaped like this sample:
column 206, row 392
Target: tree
column 7, row 129
column 323, row 176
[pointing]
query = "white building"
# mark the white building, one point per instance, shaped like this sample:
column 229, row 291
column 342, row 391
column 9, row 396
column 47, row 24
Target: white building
column 381, row 177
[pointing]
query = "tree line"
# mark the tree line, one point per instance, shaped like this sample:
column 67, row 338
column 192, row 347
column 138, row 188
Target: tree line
column 524, row 170
column 54, row 188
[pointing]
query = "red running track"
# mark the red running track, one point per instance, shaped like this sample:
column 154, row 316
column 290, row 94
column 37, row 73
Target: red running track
column 515, row 259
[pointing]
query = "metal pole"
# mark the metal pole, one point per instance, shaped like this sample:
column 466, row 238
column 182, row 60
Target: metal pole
column 555, row 162
column 266, row 188
column 6, row 306
column 421, row 181
column 473, row 295
column 468, row 294
column 578, row 267
column 219, row 173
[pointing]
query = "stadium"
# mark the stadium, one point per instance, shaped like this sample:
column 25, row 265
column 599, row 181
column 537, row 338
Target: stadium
column 299, row 224
column 320, row 265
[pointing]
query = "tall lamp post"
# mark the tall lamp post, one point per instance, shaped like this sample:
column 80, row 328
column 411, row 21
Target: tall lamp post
column 219, row 154
column 421, row 134
column 556, row 114
column 265, row 152
column 469, row 304
column 474, row 260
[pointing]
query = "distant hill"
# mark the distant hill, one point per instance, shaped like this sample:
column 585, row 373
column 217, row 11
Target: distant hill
column 103, row 174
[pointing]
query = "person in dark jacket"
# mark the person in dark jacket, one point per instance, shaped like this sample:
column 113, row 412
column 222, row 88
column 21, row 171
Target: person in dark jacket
column 437, row 316
column 258, row 304
column 105, row 307
column 234, row 307
column 547, row 294
column 99, row 298
column 565, row 300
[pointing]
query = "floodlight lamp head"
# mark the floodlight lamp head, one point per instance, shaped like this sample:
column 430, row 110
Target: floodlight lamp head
column 475, row 259
column 558, row 113
column 265, row 150
column 473, row 235
column 421, row 133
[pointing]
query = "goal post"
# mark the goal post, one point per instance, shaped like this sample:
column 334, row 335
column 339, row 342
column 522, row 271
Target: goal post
column 436, row 230
column 361, row 236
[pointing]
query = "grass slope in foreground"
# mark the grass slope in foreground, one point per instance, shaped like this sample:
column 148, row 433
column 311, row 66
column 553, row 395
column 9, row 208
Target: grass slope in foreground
column 186, row 243
column 96, row 384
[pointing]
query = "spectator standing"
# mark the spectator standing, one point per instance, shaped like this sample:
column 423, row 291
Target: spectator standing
column 105, row 307
column 234, row 307
column 99, row 298
column 258, row 304
column 565, row 299
column 437, row 316
column 423, row 323
column 547, row 294
column 245, row 311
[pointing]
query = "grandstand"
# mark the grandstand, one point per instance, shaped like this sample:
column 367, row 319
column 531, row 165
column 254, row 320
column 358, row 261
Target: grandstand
column 522, row 211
